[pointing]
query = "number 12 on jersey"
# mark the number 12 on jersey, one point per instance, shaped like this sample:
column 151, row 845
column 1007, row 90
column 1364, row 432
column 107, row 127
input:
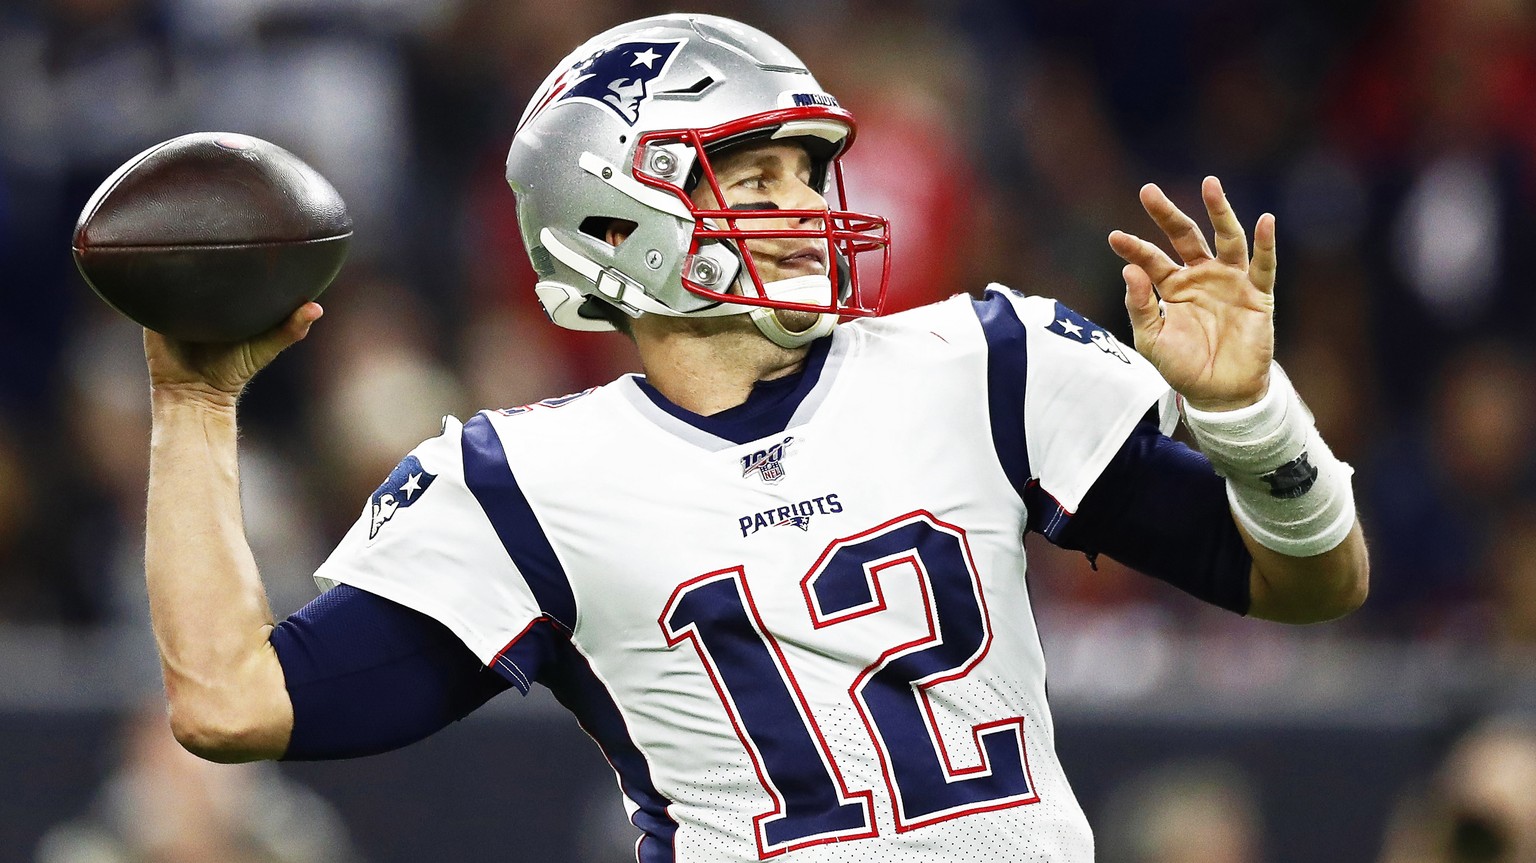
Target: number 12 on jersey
column 812, row 803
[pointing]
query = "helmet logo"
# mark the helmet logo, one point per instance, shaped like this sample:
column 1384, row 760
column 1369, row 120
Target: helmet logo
column 617, row 77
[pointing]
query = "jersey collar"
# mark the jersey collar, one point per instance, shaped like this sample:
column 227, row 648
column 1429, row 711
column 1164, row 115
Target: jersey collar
column 771, row 408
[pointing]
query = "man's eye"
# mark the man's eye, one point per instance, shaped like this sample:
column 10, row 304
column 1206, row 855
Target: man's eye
column 754, row 182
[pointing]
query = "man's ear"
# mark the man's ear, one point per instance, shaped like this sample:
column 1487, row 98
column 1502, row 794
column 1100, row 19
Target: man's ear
column 610, row 230
column 619, row 231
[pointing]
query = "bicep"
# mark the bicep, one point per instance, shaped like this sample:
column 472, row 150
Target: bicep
column 1159, row 508
column 367, row 675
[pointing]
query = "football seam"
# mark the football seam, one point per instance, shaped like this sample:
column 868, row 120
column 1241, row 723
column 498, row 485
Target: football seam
column 100, row 196
column 254, row 244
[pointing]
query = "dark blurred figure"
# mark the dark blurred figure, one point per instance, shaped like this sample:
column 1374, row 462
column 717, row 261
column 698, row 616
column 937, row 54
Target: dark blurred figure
column 38, row 583
column 1438, row 489
column 1478, row 807
column 88, row 83
column 1435, row 110
column 1183, row 812
column 1509, row 572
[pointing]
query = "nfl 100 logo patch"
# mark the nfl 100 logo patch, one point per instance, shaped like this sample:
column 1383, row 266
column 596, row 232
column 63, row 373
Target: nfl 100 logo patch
column 768, row 463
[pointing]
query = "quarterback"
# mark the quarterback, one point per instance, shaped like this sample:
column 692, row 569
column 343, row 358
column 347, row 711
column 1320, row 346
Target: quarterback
column 779, row 577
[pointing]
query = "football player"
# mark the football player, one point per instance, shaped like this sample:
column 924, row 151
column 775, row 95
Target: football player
column 779, row 578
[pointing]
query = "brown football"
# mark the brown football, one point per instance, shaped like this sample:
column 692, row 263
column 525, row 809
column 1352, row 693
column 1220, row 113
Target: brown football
column 212, row 237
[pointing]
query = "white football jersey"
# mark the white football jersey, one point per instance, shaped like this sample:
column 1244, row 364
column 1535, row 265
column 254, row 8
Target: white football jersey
column 812, row 636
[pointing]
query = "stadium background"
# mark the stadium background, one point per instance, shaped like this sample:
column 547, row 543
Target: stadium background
column 1395, row 141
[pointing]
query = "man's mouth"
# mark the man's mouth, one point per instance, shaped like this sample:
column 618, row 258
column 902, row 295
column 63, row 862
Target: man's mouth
column 811, row 259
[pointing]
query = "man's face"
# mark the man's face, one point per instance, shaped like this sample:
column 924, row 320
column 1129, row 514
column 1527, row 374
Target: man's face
column 771, row 175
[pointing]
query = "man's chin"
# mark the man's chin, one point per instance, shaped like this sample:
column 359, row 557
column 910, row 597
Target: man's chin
column 796, row 321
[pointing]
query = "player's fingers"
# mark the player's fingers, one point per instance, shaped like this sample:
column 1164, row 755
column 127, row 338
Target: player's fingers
column 1231, row 242
column 1140, row 301
column 1182, row 231
column 1150, row 258
column 295, row 328
column 1262, row 272
column 303, row 318
column 264, row 348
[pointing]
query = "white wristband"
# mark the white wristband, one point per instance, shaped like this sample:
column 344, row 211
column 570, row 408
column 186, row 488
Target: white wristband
column 1284, row 484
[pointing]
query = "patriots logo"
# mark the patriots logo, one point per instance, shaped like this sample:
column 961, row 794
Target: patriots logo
column 617, row 77
column 1069, row 324
column 801, row 521
column 406, row 484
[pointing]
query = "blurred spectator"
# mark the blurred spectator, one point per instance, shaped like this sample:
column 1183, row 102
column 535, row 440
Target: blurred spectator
column 321, row 78
column 88, row 83
column 380, row 390
column 1436, row 488
column 37, row 584
column 1478, row 807
column 1182, row 812
column 1509, row 567
column 1446, row 144
column 909, row 80
column 162, row 804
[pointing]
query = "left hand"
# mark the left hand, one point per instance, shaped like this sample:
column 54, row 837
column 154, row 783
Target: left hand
column 1214, row 336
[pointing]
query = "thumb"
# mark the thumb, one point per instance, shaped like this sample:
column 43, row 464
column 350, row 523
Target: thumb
column 1141, row 303
column 257, row 353
column 268, row 345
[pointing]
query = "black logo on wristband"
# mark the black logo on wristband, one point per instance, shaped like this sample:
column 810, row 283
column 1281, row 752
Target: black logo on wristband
column 1292, row 479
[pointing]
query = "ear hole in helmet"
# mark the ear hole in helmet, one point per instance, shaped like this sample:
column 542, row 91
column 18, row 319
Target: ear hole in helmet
column 609, row 229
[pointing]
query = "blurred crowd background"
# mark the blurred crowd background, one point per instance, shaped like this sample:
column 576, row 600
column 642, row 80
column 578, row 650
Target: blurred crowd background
column 1394, row 141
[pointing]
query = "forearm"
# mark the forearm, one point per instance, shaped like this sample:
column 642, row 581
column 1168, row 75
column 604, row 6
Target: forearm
column 1308, row 589
column 209, row 610
column 1293, row 501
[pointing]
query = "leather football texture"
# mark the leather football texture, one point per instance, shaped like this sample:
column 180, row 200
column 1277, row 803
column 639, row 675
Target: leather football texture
column 212, row 237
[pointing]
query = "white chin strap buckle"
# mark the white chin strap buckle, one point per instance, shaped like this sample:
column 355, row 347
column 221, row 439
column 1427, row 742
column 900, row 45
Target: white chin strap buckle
column 816, row 290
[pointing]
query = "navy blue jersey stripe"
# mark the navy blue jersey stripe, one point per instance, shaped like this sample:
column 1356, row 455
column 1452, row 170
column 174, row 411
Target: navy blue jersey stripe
column 575, row 686
column 489, row 477
column 1007, row 364
column 769, row 408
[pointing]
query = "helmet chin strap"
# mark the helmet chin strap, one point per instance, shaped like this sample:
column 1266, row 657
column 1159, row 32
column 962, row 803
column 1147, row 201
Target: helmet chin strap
column 800, row 289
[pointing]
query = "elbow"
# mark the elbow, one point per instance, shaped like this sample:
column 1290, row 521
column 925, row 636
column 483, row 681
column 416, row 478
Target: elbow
column 1316, row 598
column 1311, row 589
column 1351, row 581
column 224, row 736
column 1346, row 597
column 1359, row 590
column 1346, row 593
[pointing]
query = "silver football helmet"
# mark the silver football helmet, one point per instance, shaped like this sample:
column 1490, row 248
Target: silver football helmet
column 621, row 132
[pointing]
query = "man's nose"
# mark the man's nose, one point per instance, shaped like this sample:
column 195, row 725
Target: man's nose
column 806, row 197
